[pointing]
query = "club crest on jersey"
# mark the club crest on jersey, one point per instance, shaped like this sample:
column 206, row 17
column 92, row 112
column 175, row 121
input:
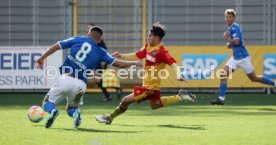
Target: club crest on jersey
column 153, row 53
column 150, row 58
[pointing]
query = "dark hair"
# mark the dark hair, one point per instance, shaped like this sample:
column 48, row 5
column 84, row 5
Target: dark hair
column 91, row 23
column 97, row 29
column 158, row 30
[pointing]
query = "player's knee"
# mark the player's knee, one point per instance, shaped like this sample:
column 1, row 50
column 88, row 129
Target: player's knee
column 254, row 79
column 155, row 106
column 223, row 75
column 125, row 102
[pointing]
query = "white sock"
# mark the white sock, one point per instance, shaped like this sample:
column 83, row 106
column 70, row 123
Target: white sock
column 221, row 98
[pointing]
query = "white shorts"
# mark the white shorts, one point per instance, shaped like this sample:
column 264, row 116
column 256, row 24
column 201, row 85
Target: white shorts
column 67, row 87
column 244, row 64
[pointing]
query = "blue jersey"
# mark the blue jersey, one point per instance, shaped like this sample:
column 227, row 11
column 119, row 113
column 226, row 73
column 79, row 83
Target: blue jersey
column 84, row 56
column 239, row 51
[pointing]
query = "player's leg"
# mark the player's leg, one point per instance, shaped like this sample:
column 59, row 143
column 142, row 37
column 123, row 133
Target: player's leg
column 123, row 106
column 72, row 109
column 47, row 105
column 55, row 95
column 140, row 94
column 261, row 79
column 229, row 68
column 50, row 108
column 75, row 99
column 156, row 102
column 155, row 105
column 247, row 67
column 223, row 86
column 50, row 101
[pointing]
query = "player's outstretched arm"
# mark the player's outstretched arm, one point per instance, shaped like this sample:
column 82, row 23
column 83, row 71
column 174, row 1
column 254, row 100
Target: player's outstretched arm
column 177, row 72
column 129, row 56
column 125, row 64
column 40, row 61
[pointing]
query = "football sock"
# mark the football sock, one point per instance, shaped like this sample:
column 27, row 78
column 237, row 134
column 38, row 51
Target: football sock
column 71, row 110
column 118, row 111
column 222, row 89
column 268, row 81
column 170, row 100
column 48, row 107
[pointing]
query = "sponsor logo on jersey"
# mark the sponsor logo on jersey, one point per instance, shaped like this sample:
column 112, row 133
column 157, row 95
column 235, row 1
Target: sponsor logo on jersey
column 150, row 58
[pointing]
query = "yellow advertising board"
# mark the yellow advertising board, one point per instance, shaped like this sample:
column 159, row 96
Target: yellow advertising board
column 263, row 59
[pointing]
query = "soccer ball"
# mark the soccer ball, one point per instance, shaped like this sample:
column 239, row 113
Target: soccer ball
column 35, row 114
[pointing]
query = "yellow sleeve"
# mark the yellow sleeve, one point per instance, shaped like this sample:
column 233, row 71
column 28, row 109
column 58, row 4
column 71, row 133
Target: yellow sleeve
column 176, row 70
column 129, row 56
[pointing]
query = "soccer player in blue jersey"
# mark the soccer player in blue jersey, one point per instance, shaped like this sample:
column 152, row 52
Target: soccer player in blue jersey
column 84, row 56
column 240, row 58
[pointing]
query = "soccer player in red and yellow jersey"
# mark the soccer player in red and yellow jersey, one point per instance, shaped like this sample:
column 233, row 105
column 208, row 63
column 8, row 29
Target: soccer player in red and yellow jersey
column 156, row 57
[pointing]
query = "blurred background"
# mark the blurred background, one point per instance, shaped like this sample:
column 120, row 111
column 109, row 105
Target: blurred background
column 40, row 23
column 125, row 22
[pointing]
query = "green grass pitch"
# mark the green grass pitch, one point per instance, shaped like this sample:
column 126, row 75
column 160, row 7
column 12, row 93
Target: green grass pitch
column 247, row 119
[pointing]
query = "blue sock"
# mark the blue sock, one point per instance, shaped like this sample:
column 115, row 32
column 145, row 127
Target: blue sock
column 222, row 89
column 71, row 111
column 268, row 81
column 48, row 107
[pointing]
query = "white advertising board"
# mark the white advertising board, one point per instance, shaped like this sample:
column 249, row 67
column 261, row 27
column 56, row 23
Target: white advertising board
column 17, row 68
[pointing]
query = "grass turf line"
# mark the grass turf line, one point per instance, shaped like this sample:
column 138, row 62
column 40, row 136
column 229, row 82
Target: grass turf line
column 247, row 119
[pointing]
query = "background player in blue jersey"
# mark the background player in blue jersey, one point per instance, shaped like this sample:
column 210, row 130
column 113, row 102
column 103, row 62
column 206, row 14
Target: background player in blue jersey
column 240, row 58
column 84, row 56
